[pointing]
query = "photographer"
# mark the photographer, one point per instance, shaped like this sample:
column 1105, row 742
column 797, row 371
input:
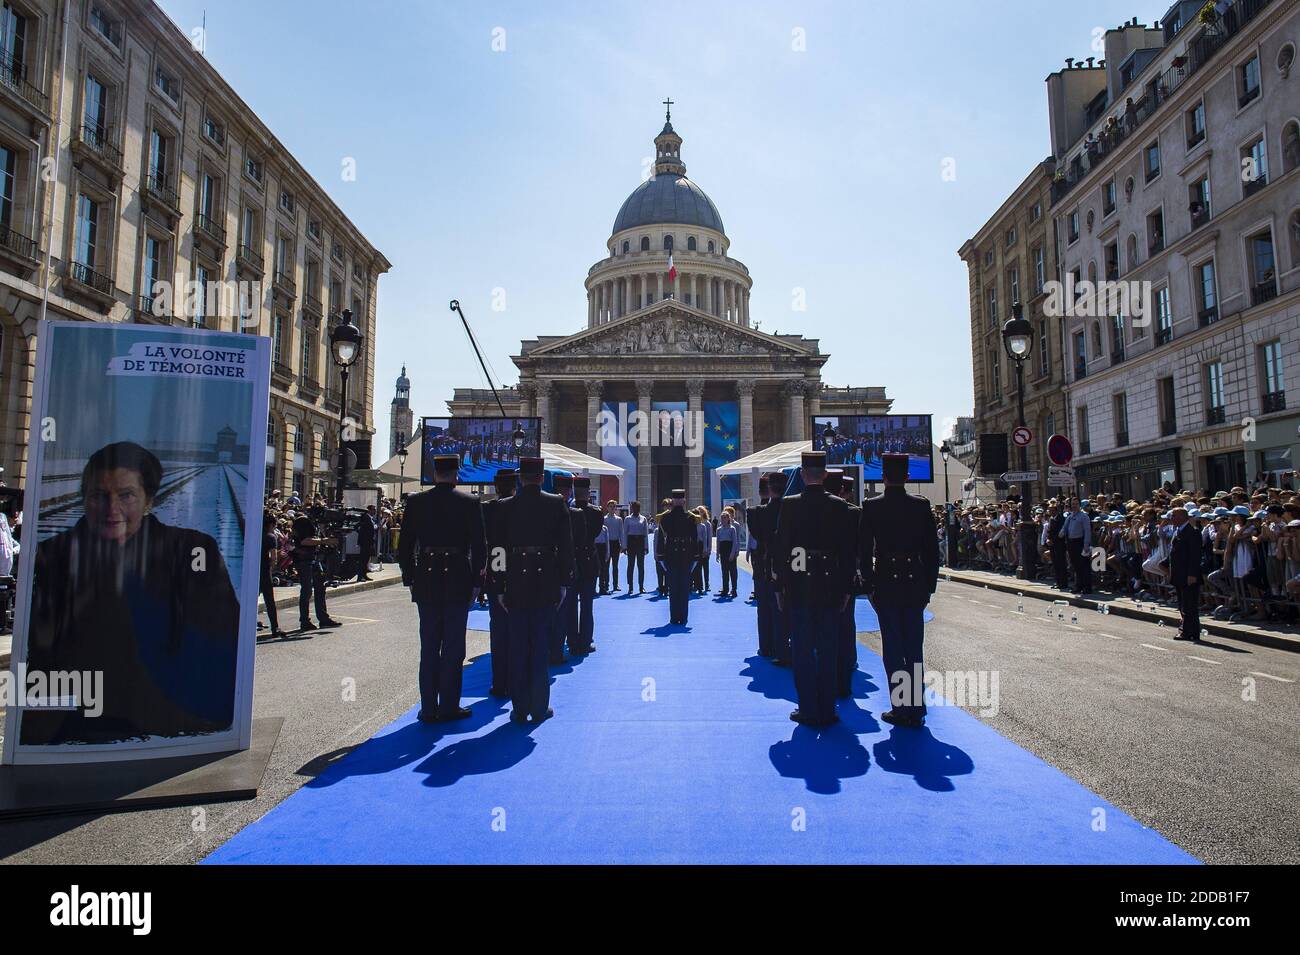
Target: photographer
column 311, row 573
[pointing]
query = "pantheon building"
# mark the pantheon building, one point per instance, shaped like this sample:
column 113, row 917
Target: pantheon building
column 654, row 342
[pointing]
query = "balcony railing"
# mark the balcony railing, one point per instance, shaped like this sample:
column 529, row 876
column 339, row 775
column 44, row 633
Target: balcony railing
column 144, row 308
column 17, row 243
column 209, row 227
column 99, row 140
column 1167, row 428
column 1262, row 292
column 1253, row 186
column 157, row 184
column 248, row 256
column 311, row 303
column 1080, row 370
column 1164, row 335
column 12, row 75
column 1274, row 401
column 284, row 282
column 1216, row 415
column 1199, row 52
column 79, row 272
column 1208, row 316
column 1200, row 216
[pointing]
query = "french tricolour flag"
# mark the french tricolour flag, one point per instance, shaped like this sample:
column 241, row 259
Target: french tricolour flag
column 672, row 269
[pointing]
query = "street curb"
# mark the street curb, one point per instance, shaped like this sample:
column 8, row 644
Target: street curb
column 289, row 601
column 1119, row 609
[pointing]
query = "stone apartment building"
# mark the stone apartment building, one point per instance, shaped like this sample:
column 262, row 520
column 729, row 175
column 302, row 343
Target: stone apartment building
column 126, row 160
column 1012, row 259
column 1179, row 169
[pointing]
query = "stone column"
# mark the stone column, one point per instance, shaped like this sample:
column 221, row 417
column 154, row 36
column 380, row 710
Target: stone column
column 708, row 292
column 677, row 286
column 793, row 393
column 595, row 388
column 744, row 315
column 659, row 296
column 544, row 391
column 695, row 291
column 591, row 309
column 813, row 389
column 527, row 394
column 644, row 392
column 600, row 308
column 695, row 489
column 745, row 398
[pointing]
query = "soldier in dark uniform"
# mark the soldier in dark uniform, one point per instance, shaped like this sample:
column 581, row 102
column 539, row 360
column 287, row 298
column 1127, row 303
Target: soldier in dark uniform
column 494, row 581
column 566, row 616
column 539, row 569
column 681, row 548
column 587, row 566
column 846, row 654
column 899, row 556
column 781, row 623
column 813, row 554
column 760, row 530
column 442, row 553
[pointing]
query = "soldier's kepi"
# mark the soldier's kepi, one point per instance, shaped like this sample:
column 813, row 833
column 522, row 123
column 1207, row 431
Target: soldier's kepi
column 494, row 582
column 681, row 545
column 899, row 558
column 813, row 554
column 442, row 552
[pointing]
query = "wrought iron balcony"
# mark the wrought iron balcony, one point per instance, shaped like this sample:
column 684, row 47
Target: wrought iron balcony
column 12, row 76
column 18, row 244
column 1200, row 216
column 1208, row 316
column 1274, row 401
column 98, row 141
column 1164, row 335
column 210, row 228
column 159, row 187
column 1216, row 415
column 284, row 282
column 248, row 256
column 1253, row 186
column 310, row 303
column 1262, row 292
column 85, row 275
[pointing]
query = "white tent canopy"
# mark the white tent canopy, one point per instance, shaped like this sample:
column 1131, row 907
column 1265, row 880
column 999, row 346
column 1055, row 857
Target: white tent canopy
column 788, row 454
column 556, row 456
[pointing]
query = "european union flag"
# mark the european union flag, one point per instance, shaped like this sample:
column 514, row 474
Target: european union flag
column 721, row 445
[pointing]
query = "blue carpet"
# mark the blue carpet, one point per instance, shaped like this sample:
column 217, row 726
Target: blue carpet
column 673, row 745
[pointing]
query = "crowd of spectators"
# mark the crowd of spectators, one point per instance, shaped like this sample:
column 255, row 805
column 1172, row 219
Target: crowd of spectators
column 1107, row 544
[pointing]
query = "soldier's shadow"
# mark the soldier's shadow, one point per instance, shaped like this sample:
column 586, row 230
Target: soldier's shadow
column 503, row 747
column 916, row 753
column 774, row 682
column 822, row 758
column 668, row 629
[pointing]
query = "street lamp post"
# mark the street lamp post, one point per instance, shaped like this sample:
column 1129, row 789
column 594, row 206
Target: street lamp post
column 1018, row 337
column 345, row 346
column 401, row 467
column 950, row 543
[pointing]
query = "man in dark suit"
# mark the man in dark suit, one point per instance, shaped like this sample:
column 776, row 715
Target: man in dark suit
column 443, row 552
column 1057, row 546
column 899, row 557
column 1186, row 575
column 366, row 541
column 813, row 554
column 681, row 548
column 539, row 571
column 846, row 651
column 495, row 580
column 587, row 566
column 760, row 524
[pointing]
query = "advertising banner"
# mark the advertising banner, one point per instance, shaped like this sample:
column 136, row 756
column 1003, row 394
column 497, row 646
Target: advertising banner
column 136, row 617
column 485, row 445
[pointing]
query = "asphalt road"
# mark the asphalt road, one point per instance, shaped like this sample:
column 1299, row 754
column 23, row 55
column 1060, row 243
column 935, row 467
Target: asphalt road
column 1160, row 729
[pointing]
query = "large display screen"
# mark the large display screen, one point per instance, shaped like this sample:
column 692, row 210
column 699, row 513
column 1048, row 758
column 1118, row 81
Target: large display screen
column 485, row 445
column 863, row 439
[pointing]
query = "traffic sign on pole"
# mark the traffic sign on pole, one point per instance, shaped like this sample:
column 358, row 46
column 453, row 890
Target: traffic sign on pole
column 1059, row 450
column 1022, row 436
column 1016, row 477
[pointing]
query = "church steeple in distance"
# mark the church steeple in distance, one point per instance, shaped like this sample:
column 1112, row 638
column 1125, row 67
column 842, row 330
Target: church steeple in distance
column 400, row 417
column 668, row 146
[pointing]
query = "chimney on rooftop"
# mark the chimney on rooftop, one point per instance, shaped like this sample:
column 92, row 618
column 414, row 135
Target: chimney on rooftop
column 1069, row 62
column 1090, row 59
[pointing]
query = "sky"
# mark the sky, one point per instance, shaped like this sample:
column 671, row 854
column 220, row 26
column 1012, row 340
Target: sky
column 495, row 142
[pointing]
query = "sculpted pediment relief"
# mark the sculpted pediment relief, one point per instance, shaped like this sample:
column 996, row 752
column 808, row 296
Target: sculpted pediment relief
column 668, row 332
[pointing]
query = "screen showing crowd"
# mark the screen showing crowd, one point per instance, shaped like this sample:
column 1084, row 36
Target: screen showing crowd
column 485, row 445
column 863, row 439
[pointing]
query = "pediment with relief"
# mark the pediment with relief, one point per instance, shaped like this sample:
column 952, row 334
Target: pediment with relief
column 668, row 331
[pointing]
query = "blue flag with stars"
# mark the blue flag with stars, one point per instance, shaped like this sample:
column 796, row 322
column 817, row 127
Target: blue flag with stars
column 721, row 446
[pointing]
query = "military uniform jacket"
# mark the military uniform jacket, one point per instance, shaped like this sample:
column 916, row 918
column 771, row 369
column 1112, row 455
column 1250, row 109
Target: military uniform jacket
column 443, row 546
column 820, row 573
column 899, row 549
column 494, row 522
column 855, row 527
column 681, row 543
column 539, row 548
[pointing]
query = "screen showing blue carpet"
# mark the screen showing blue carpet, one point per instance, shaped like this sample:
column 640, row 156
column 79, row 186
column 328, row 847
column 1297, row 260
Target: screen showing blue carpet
column 673, row 744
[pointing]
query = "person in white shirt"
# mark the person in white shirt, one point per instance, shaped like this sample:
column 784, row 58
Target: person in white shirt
column 727, row 553
column 635, row 531
column 704, row 532
column 614, row 537
column 602, row 556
